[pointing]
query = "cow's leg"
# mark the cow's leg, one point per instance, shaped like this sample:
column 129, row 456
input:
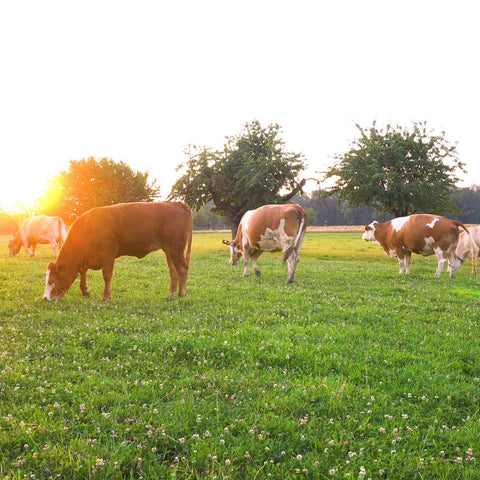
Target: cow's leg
column 441, row 261
column 292, row 262
column 178, row 273
column 26, row 246
column 254, row 258
column 107, row 271
column 174, row 276
column 408, row 258
column 246, row 258
column 474, row 253
column 83, row 284
column 401, row 261
column 31, row 254
column 54, row 248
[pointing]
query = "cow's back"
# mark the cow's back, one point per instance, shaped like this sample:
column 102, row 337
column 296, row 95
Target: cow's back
column 424, row 229
column 270, row 217
column 134, row 229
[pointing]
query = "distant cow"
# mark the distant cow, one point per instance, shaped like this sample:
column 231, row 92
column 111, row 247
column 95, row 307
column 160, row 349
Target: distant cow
column 468, row 249
column 421, row 233
column 103, row 234
column 35, row 230
column 271, row 228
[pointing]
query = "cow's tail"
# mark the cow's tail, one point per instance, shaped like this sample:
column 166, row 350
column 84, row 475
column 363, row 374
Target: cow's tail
column 301, row 231
column 189, row 249
column 189, row 242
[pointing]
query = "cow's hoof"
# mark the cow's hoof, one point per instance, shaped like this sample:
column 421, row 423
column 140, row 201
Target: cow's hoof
column 258, row 273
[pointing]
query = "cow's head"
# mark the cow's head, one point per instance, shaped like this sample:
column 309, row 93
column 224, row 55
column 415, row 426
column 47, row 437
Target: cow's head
column 57, row 281
column 454, row 264
column 369, row 233
column 14, row 247
column 235, row 254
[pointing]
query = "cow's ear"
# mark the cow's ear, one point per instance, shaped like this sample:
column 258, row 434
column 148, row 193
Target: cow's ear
column 227, row 242
column 54, row 268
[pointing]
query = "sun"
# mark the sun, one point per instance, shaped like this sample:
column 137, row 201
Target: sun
column 21, row 196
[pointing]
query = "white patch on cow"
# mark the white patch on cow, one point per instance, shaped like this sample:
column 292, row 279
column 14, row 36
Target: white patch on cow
column 369, row 235
column 398, row 223
column 246, row 220
column 441, row 261
column 428, row 248
column 433, row 222
column 275, row 240
column 48, row 287
column 392, row 253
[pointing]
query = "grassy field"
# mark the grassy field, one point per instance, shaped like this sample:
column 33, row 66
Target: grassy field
column 351, row 372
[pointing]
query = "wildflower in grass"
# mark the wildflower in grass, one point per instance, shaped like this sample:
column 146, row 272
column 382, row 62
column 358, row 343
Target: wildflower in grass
column 362, row 473
column 332, row 471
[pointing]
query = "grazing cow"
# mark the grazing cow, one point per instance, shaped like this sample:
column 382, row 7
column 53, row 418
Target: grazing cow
column 420, row 233
column 271, row 228
column 103, row 234
column 469, row 247
column 35, row 230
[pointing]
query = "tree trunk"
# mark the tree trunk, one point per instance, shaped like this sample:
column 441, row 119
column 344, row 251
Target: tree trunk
column 233, row 221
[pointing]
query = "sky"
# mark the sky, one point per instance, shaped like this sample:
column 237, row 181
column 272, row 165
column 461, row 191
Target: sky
column 139, row 81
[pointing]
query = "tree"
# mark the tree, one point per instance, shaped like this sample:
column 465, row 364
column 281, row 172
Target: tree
column 250, row 171
column 469, row 201
column 397, row 171
column 92, row 183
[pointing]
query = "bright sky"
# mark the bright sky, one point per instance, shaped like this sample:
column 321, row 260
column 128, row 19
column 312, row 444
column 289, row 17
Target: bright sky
column 138, row 81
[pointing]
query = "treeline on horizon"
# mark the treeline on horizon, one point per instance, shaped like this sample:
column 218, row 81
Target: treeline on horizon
column 322, row 211
column 329, row 211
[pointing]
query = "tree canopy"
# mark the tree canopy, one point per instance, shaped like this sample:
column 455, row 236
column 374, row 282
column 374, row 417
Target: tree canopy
column 92, row 183
column 397, row 171
column 251, row 170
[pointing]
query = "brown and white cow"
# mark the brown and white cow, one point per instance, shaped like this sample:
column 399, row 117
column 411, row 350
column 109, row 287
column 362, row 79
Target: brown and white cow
column 41, row 229
column 468, row 247
column 271, row 228
column 103, row 234
column 419, row 233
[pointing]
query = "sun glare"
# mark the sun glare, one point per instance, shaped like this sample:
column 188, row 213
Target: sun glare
column 21, row 198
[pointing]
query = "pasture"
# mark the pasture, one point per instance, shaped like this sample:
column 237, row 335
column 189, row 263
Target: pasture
column 351, row 372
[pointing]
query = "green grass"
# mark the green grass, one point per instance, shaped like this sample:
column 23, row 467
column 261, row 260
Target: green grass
column 351, row 372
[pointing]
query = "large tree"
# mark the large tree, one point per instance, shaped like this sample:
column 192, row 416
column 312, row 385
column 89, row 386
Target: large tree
column 397, row 171
column 253, row 169
column 92, row 183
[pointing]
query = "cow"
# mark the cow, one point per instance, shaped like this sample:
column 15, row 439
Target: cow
column 40, row 229
column 271, row 228
column 468, row 247
column 103, row 234
column 423, row 234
